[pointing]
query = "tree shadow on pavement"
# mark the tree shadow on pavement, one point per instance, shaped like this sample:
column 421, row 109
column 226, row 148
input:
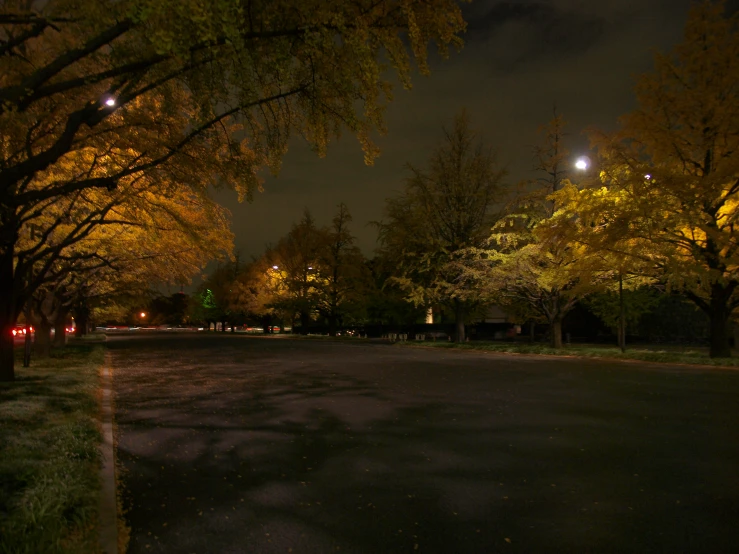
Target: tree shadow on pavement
column 219, row 458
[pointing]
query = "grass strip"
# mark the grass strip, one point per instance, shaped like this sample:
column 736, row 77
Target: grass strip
column 665, row 354
column 49, row 457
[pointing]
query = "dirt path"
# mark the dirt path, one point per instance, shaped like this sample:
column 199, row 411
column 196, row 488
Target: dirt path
column 240, row 444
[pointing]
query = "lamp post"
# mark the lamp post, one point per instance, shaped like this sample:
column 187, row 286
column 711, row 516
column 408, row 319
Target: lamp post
column 582, row 164
column 621, row 313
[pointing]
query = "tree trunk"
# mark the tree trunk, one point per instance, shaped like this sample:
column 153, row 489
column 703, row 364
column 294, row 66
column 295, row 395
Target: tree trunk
column 7, row 317
column 60, row 330
column 304, row 322
column 42, row 340
column 719, row 318
column 532, row 331
column 81, row 321
column 459, row 320
column 27, row 345
column 7, row 359
column 621, row 315
column 332, row 325
column 556, row 330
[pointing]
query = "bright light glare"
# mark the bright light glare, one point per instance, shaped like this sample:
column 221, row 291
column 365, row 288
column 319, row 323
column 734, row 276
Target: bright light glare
column 647, row 176
column 310, row 268
column 110, row 102
column 143, row 314
column 275, row 267
column 581, row 164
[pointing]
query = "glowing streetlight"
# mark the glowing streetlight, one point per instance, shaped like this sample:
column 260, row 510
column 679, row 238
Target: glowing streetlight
column 582, row 163
column 275, row 267
column 110, row 101
column 142, row 314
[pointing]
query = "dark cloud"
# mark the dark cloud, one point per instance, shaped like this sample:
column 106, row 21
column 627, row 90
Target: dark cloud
column 543, row 30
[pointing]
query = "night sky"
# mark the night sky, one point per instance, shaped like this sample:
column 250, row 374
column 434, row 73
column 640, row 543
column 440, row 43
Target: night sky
column 520, row 58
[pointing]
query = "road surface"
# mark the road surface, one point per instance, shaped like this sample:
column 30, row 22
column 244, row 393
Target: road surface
column 233, row 444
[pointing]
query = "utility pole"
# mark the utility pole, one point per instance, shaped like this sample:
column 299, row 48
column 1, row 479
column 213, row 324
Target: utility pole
column 622, row 314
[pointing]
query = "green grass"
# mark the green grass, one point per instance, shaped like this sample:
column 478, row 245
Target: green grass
column 49, row 457
column 666, row 354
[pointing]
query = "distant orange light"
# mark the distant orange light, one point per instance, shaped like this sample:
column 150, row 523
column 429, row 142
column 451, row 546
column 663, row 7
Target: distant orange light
column 143, row 314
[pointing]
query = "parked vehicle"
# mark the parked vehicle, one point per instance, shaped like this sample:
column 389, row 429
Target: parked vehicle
column 20, row 330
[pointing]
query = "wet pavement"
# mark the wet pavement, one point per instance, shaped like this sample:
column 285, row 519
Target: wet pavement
column 231, row 444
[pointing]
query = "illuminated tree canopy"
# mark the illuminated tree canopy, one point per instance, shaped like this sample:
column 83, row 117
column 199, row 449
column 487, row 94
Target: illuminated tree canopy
column 98, row 93
column 666, row 196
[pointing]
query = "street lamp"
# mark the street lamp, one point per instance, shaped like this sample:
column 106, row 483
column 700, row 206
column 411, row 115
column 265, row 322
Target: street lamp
column 142, row 314
column 582, row 163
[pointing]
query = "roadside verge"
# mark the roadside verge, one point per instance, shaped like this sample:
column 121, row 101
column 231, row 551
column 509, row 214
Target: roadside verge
column 49, row 454
column 108, row 503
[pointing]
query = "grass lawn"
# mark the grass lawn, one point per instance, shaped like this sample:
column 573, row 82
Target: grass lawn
column 49, row 458
column 649, row 353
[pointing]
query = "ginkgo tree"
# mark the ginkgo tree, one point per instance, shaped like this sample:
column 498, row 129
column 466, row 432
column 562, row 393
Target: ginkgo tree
column 667, row 193
column 203, row 91
column 294, row 266
column 535, row 271
column 256, row 291
column 147, row 230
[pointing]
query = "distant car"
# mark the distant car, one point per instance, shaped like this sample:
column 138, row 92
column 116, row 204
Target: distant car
column 20, row 330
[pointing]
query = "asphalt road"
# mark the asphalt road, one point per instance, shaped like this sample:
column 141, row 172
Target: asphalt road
column 234, row 444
